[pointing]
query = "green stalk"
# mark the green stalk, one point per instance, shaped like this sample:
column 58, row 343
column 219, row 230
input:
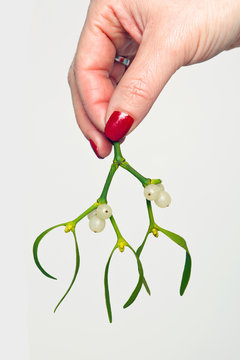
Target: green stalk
column 129, row 168
column 85, row 213
column 117, row 231
column 103, row 197
column 118, row 158
column 152, row 226
column 150, row 214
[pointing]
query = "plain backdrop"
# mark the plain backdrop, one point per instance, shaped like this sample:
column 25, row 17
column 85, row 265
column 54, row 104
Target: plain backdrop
column 190, row 139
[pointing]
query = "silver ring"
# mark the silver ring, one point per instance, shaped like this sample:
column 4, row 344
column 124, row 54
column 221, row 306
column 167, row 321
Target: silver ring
column 122, row 60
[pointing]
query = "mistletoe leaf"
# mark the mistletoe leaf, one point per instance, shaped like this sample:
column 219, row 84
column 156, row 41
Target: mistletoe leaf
column 140, row 281
column 146, row 286
column 188, row 261
column 186, row 274
column 75, row 272
column 35, row 250
column 107, row 296
column 140, row 249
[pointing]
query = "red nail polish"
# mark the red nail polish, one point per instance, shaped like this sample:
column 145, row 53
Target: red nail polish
column 118, row 125
column 95, row 149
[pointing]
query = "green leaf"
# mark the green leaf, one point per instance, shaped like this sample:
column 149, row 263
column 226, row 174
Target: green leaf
column 35, row 250
column 188, row 262
column 75, row 272
column 139, row 250
column 107, row 296
column 146, row 286
column 186, row 273
column 139, row 284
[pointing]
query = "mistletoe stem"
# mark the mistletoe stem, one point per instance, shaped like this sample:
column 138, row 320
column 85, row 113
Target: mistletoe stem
column 145, row 181
column 116, row 229
column 103, row 197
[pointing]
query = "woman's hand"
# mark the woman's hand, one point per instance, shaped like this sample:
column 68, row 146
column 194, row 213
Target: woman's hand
column 159, row 36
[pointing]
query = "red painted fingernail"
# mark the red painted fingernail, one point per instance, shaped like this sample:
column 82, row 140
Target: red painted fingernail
column 118, row 125
column 95, row 149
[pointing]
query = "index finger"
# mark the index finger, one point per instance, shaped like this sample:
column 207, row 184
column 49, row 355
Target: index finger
column 94, row 61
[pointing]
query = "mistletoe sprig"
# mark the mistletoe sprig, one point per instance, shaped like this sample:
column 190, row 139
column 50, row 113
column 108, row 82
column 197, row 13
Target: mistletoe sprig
column 100, row 211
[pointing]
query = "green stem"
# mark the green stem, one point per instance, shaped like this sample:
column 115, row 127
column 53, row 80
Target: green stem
column 150, row 214
column 145, row 181
column 86, row 212
column 152, row 225
column 118, row 158
column 103, row 196
column 114, row 224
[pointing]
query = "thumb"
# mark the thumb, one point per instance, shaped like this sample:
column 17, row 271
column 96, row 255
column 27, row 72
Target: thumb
column 139, row 87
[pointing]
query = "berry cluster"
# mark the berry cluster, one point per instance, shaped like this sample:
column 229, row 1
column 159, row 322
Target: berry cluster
column 97, row 214
column 157, row 193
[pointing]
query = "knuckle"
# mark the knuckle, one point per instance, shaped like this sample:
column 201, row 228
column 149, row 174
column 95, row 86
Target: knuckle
column 76, row 69
column 139, row 89
column 75, row 72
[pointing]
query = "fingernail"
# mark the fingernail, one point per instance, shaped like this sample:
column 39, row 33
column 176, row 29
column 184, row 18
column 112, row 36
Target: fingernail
column 95, row 149
column 118, row 125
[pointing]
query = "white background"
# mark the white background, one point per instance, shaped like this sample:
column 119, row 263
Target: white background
column 190, row 139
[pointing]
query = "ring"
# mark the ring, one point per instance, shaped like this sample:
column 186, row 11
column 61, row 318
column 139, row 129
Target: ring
column 122, row 60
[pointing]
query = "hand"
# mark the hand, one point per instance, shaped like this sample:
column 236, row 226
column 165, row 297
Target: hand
column 159, row 37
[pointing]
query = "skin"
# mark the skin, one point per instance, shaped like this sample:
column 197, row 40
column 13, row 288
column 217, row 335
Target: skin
column 159, row 36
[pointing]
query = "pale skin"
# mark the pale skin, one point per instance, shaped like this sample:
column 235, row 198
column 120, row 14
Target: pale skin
column 159, row 36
